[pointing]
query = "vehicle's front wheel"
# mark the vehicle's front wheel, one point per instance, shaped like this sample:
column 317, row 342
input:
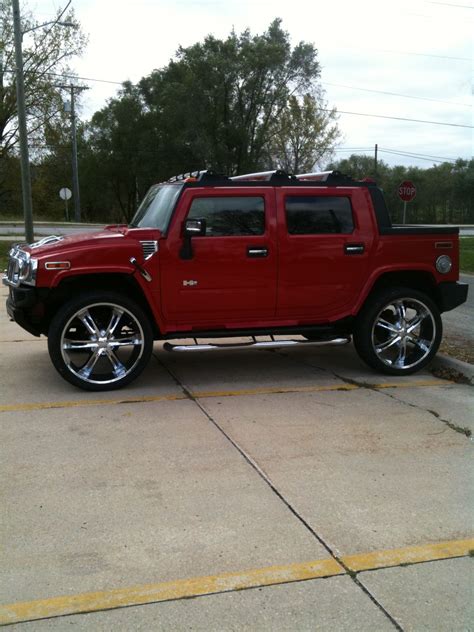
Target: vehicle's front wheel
column 100, row 341
column 398, row 331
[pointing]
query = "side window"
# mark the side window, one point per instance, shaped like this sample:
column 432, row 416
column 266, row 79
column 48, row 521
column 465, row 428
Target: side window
column 312, row 215
column 230, row 216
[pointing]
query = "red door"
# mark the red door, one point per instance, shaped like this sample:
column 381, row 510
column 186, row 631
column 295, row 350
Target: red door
column 231, row 279
column 324, row 252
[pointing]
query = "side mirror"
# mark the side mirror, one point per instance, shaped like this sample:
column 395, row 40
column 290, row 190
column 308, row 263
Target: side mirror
column 195, row 228
column 192, row 228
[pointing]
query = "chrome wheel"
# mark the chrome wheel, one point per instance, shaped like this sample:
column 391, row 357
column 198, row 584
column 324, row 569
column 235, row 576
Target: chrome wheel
column 404, row 333
column 102, row 343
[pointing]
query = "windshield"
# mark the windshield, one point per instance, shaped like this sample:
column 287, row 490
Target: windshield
column 157, row 206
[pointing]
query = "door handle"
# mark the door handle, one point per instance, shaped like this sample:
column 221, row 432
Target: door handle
column 354, row 249
column 256, row 252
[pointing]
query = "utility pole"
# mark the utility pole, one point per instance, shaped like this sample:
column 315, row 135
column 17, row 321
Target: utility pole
column 75, row 170
column 20, row 97
column 21, row 108
column 375, row 159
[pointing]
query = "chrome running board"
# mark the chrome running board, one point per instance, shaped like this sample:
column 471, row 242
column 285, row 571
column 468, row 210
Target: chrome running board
column 270, row 344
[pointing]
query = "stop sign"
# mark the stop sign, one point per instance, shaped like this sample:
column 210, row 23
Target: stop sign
column 407, row 191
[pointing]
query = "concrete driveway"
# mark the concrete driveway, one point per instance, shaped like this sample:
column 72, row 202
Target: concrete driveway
column 241, row 490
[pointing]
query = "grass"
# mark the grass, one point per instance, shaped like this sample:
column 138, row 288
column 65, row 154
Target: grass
column 466, row 260
column 4, row 249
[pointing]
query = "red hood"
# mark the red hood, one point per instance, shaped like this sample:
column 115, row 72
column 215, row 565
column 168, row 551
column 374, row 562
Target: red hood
column 90, row 239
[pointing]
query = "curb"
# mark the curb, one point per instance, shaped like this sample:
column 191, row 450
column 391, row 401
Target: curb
column 447, row 363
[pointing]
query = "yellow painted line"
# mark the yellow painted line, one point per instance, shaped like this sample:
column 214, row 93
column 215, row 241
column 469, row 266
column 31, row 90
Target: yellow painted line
column 225, row 582
column 23, row 340
column 275, row 390
column 413, row 384
column 203, row 394
column 408, row 555
column 166, row 591
column 89, row 402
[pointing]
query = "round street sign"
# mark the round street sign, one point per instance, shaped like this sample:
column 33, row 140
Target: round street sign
column 65, row 193
column 407, row 191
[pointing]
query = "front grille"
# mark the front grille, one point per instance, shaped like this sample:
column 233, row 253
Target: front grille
column 21, row 268
column 149, row 248
column 15, row 263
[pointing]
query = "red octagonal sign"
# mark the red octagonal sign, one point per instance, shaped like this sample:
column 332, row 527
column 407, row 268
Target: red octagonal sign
column 407, row 191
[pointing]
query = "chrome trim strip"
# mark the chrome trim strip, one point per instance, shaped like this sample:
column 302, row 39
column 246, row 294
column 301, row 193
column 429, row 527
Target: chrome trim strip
column 274, row 344
column 46, row 240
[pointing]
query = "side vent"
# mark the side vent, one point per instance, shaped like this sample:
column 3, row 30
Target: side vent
column 149, row 248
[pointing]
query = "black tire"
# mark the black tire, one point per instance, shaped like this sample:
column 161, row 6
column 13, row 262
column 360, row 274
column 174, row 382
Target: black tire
column 398, row 331
column 100, row 341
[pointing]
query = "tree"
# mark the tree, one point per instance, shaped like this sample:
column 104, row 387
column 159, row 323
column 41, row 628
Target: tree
column 122, row 151
column 445, row 192
column 46, row 52
column 304, row 135
column 220, row 101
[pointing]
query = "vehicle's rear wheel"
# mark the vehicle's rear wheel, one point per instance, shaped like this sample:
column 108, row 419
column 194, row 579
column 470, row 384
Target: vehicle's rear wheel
column 100, row 341
column 398, row 331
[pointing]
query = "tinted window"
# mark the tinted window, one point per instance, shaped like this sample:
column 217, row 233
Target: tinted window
column 226, row 216
column 310, row 215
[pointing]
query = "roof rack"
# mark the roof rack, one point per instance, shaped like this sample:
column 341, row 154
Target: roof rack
column 265, row 176
column 324, row 176
column 203, row 175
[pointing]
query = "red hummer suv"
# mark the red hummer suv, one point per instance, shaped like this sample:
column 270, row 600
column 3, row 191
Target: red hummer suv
column 208, row 256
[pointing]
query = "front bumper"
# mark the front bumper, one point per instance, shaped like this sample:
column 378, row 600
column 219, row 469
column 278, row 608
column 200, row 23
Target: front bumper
column 452, row 294
column 21, row 306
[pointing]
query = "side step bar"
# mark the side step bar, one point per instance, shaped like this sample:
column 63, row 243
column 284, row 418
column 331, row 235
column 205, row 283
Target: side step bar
column 270, row 344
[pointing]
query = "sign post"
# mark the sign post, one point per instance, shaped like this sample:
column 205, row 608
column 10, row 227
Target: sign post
column 65, row 194
column 406, row 192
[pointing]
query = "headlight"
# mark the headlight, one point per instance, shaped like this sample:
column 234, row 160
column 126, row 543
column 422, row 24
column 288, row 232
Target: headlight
column 21, row 268
column 444, row 264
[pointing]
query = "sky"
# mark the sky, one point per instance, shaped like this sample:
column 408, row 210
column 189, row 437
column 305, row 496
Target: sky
column 410, row 59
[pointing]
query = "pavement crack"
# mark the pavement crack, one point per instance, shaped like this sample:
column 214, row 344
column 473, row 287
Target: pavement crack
column 352, row 574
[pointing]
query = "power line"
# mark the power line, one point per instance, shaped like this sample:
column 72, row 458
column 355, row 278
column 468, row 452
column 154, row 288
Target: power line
column 396, row 52
column 397, row 118
column 416, row 154
column 393, row 118
column 63, row 76
column 395, row 94
column 399, row 153
column 449, row 4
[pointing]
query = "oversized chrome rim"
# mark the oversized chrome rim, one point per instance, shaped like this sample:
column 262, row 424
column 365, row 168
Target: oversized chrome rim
column 102, row 343
column 404, row 333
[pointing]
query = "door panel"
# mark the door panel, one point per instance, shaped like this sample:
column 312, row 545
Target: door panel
column 230, row 278
column 321, row 275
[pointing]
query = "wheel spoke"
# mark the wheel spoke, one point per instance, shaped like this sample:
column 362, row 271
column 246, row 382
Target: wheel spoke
column 401, row 311
column 114, row 321
column 386, row 325
column 387, row 344
column 89, row 323
column 125, row 342
column 90, row 364
column 400, row 361
column 79, row 345
column 118, row 368
column 416, row 322
column 424, row 345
